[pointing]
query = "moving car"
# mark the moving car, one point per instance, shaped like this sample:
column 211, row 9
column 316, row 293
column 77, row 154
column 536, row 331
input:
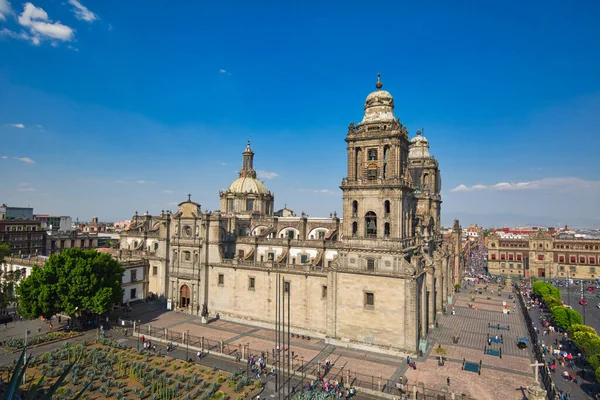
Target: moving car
column 583, row 302
column 598, row 305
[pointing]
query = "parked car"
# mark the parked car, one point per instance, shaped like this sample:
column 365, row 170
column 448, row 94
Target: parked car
column 591, row 288
column 583, row 302
column 598, row 295
column 598, row 305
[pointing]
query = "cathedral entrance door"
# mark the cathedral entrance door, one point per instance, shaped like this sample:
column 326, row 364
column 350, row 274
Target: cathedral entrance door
column 184, row 296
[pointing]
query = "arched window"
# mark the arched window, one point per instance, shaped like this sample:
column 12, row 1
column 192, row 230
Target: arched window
column 425, row 180
column 371, row 265
column 371, row 224
column 187, row 255
column 354, row 229
column 354, row 208
column 155, row 246
column 386, row 207
column 386, row 230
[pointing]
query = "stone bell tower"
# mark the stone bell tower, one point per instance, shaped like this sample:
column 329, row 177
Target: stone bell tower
column 377, row 193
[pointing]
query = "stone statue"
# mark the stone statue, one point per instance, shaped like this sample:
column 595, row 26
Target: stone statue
column 204, row 311
column 351, row 128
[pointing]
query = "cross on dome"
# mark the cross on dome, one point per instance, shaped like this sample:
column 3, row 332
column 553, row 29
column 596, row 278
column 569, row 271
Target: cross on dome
column 379, row 85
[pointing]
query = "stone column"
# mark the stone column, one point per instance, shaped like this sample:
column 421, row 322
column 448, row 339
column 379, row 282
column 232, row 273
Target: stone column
column 423, row 317
column 432, row 295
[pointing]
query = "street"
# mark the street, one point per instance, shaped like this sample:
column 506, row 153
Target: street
column 572, row 295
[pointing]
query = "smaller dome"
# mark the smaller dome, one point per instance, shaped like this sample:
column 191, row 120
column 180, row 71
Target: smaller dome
column 379, row 105
column 418, row 147
column 248, row 185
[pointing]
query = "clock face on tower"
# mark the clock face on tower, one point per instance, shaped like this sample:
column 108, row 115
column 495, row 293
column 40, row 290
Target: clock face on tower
column 187, row 231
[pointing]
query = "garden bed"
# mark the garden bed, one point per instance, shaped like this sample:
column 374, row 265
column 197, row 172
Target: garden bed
column 32, row 341
column 116, row 372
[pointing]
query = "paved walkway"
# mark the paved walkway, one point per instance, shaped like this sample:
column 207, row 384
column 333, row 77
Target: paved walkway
column 501, row 378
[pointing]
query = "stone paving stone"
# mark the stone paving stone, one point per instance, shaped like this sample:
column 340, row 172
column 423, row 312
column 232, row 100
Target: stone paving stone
column 490, row 385
column 509, row 362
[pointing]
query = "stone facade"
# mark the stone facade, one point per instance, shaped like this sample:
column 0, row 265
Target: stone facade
column 375, row 280
column 545, row 256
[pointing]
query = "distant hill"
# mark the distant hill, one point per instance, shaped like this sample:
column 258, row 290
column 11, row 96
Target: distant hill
column 499, row 220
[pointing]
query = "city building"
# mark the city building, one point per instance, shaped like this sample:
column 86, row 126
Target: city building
column 7, row 213
column 373, row 279
column 543, row 255
column 58, row 241
column 55, row 223
column 24, row 236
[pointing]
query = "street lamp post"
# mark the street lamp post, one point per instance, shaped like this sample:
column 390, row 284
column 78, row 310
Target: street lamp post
column 187, row 345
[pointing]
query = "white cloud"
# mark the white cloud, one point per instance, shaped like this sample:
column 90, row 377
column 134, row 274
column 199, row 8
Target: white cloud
column 82, row 12
column 5, row 157
column 266, row 174
column 23, row 184
column 143, row 182
column 20, row 126
column 41, row 27
column 318, row 191
column 223, row 71
column 546, row 183
column 25, row 190
column 26, row 160
column 168, row 191
column 5, row 9
column 221, row 163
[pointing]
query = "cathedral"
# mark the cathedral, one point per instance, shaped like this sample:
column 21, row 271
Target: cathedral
column 373, row 278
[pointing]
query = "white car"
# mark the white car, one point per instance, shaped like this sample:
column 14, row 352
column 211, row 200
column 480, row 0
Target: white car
column 598, row 305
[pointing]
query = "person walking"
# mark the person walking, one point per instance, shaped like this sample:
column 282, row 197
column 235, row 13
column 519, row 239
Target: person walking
column 448, row 381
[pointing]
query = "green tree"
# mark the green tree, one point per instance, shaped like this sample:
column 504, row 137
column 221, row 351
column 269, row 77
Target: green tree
column 74, row 281
column 542, row 288
column 594, row 361
column 589, row 342
column 566, row 317
column 7, row 279
column 551, row 302
column 580, row 328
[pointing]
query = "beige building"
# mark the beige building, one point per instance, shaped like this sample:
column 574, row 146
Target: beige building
column 545, row 256
column 376, row 280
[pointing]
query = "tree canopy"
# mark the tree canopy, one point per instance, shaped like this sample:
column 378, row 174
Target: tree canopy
column 8, row 279
column 566, row 317
column 73, row 281
column 542, row 288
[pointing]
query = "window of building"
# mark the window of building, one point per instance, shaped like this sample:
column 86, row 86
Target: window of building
column 187, row 255
column 155, row 246
column 518, row 257
column 354, row 208
column 286, row 287
column 592, row 270
column 572, row 269
column 371, row 224
column 386, row 229
column 540, row 257
column 251, row 283
column 133, row 275
column 561, row 258
column 386, row 208
column 154, row 270
column 493, row 256
column 510, row 257
column 262, row 258
column 321, row 234
column 369, row 300
column 573, row 259
column 370, row 265
column 221, row 280
column 293, row 260
column 511, row 266
column 290, row 234
column 133, row 293
column 582, row 260
column 270, row 256
column 249, row 204
column 240, row 253
column 372, row 154
column 503, row 256
column 354, row 229
column 229, row 205
column 562, row 268
column 592, row 260
column 303, row 259
column 323, row 292
column 372, row 173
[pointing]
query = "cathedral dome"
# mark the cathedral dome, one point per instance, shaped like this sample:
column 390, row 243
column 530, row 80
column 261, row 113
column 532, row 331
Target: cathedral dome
column 418, row 147
column 379, row 106
column 248, row 185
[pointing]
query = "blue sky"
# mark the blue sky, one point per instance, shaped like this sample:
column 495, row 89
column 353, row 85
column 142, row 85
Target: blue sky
column 108, row 107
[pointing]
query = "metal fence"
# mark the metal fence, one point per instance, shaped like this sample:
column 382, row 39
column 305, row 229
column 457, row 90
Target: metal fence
column 545, row 373
column 299, row 369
